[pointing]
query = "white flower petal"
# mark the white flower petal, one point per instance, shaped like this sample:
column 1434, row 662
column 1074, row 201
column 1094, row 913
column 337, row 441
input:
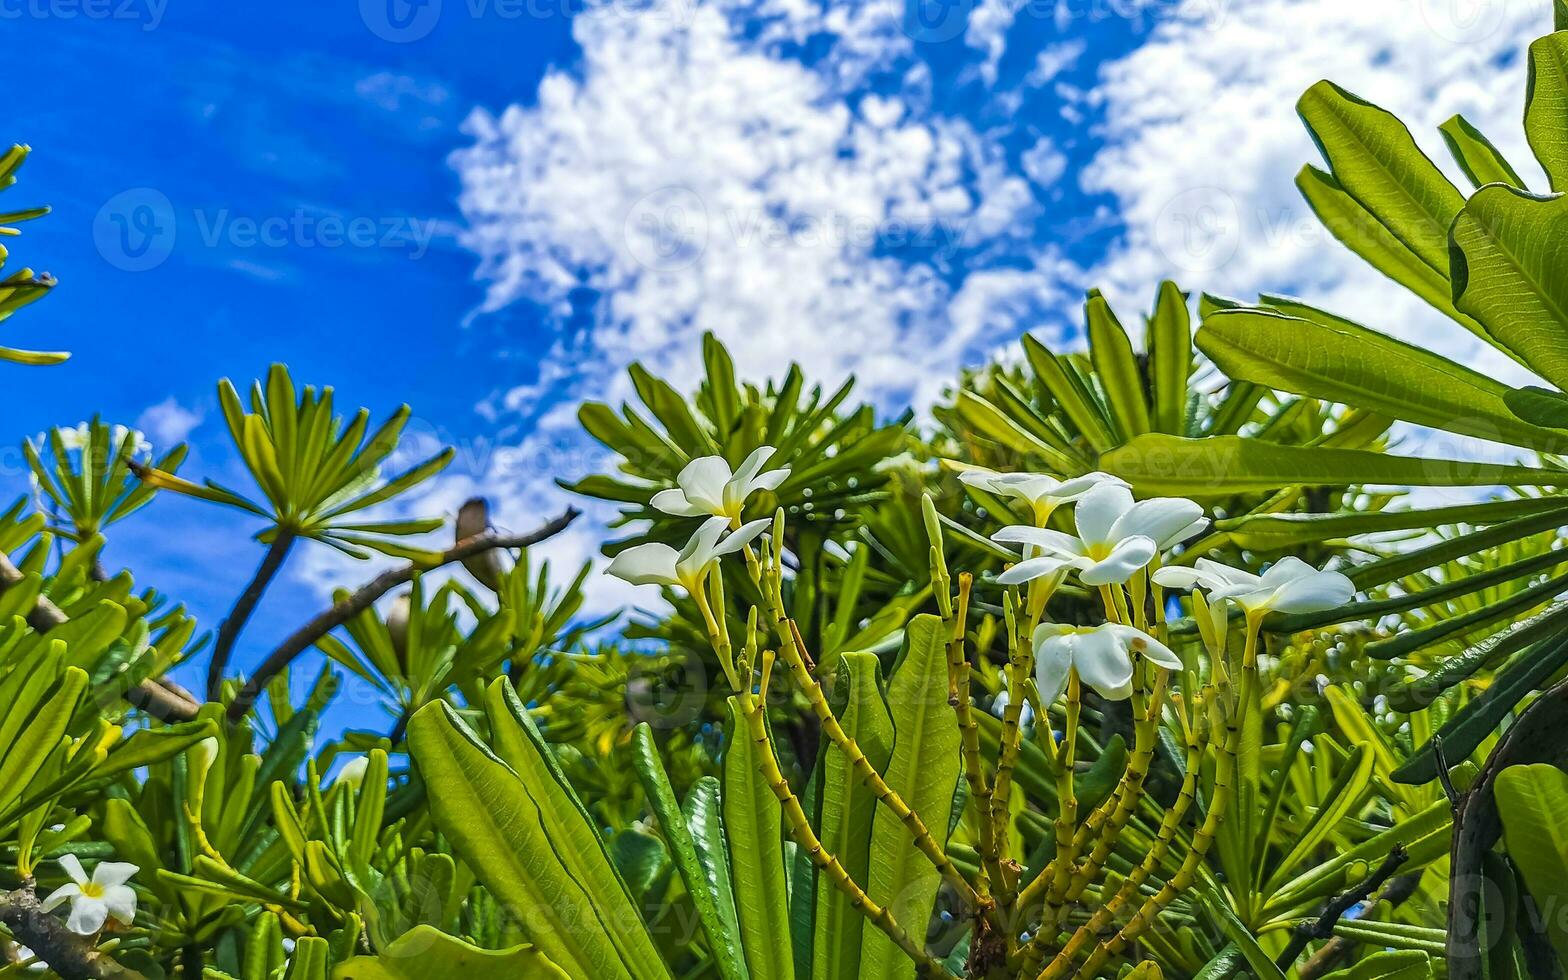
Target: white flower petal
column 1219, row 575
column 1314, row 593
column 742, row 536
column 109, row 873
column 752, row 465
column 60, row 895
column 120, row 900
column 1138, row 641
column 72, row 866
column 982, row 479
column 771, row 480
column 1047, row 540
column 1176, row 577
column 703, row 481
column 1053, row 654
column 1099, row 510
column 87, row 915
column 1031, row 569
column 698, row 550
column 646, row 564
column 1160, row 518
column 674, row 502
column 1125, row 558
column 1103, row 663
column 1287, row 569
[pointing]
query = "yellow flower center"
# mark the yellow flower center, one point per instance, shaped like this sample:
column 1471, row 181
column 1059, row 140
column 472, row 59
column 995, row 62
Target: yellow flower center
column 92, row 890
column 1098, row 550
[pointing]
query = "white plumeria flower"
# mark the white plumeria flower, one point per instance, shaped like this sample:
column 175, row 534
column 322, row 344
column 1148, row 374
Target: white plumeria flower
column 1289, row 585
column 660, row 564
column 1102, row 655
column 353, row 771
column 94, row 899
column 1041, row 491
column 1116, row 536
column 706, row 486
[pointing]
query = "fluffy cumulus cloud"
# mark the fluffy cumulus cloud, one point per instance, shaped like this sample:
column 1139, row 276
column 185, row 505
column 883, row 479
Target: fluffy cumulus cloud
column 777, row 176
column 1202, row 143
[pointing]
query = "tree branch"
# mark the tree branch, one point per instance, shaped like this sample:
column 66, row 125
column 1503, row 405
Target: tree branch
column 342, row 611
column 1323, row 928
column 162, row 699
column 239, row 615
column 73, row 957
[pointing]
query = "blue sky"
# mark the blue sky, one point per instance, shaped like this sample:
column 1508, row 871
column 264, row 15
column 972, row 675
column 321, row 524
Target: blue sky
column 485, row 208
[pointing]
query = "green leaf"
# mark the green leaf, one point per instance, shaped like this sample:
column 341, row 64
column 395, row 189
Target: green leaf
column 1377, row 162
column 753, row 824
column 1359, row 230
column 1509, row 259
column 1110, row 350
column 1531, row 801
column 1170, row 358
column 1476, row 156
column 531, row 847
column 704, row 814
column 719, row 924
column 426, row 953
column 1404, row 964
column 924, row 771
column 1336, row 360
column 848, row 809
column 1158, row 464
column 1546, row 104
column 1270, row 532
column 1470, row 726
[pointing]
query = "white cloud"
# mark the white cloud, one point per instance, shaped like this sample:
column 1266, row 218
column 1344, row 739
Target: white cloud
column 693, row 173
column 1202, row 143
column 1044, row 163
column 167, row 423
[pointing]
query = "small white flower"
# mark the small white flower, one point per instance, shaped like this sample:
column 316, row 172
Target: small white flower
column 660, row 564
column 353, row 771
column 1102, row 655
column 1289, row 585
column 94, row 900
column 1116, row 536
column 706, row 486
column 1041, row 491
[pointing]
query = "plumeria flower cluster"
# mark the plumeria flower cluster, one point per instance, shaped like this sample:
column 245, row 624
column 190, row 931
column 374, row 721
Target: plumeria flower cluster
column 705, row 487
column 94, row 900
column 1117, row 539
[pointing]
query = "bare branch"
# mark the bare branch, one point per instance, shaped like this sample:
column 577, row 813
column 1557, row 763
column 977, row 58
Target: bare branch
column 73, row 957
column 342, row 611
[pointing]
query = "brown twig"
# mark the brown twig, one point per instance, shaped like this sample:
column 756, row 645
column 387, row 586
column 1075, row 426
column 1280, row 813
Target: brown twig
column 1325, row 959
column 162, row 699
column 1323, row 928
column 229, row 630
column 73, row 957
column 345, row 609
